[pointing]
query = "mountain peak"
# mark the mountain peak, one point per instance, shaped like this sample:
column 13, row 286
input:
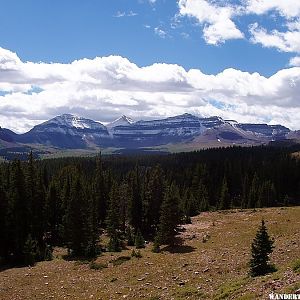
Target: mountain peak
column 123, row 120
column 73, row 121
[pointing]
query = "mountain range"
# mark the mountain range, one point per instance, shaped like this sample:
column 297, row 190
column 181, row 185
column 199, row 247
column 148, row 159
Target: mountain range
column 182, row 132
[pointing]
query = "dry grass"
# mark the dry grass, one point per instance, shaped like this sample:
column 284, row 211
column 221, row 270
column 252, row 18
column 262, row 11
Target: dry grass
column 216, row 269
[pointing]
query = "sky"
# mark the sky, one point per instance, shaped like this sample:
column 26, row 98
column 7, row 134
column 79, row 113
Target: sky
column 100, row 59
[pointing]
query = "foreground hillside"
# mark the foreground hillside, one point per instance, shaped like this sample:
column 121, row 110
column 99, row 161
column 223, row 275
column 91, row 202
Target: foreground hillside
column 210, row 264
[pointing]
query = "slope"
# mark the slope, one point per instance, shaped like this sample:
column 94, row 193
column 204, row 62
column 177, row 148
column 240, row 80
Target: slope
column 215, row 269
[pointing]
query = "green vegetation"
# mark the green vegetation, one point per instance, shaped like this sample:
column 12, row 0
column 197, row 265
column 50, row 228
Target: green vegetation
column 296, row 266
column 217, row 267
column 139, row 241
column 71, row 202
column 136, row 253
column 261, row 248
column 187, row 292
column 230, row 289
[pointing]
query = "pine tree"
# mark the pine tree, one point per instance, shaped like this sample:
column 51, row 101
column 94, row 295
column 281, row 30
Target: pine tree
column 135, row 208
column 35, row 193
column 169, row 216
column 153, row 195
column 113, row 223
column 100, row 191
column 224, row 195
column 77, row 219
column 253, row 192
column 31, row 251
column 3, row 221
column 52, row 213
column 185, row 207
column 139, row 241
column 245, row 192
column 156, row 248
column 129, row 236
column 261, row 248
column 18, row 220
column 203, row 197
column 93, row 235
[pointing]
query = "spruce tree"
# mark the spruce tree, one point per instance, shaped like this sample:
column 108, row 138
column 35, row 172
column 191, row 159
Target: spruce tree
column 31, row 251
column 52, row 213
column 114, row 244
column 185, row 207
column 139, row 241
column 3, row 220
column 203, row 198
column 18, row 219
column 156, row 248
column 100, row 192
column 261, row 248
column 169, row 216
column 153, row 195
column 77, row 219
column 253, row 192
column 35, row 193
column 113, row 223
column 245, row 192
column 224, row 195
column 135, row 208
column 92, row 218
column 129, row 236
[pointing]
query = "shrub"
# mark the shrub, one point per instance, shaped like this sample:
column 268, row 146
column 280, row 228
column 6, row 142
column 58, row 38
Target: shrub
column 136, row 253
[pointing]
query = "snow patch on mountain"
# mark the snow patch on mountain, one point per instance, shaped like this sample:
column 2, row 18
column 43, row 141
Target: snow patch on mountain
column 122, row 121
column 72, row 122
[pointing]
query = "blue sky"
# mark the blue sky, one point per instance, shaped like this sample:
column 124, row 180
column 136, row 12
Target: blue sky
column 65, row 30
column 149, row 58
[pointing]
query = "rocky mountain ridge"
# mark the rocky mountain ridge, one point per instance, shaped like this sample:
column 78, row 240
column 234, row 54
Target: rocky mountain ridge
column 73, row 132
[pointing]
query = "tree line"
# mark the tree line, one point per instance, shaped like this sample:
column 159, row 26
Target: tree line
column 70, row 201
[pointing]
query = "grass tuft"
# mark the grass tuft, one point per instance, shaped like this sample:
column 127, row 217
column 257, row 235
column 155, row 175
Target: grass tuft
column 296, row 266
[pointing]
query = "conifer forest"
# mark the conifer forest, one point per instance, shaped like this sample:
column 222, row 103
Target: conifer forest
column 70, row 202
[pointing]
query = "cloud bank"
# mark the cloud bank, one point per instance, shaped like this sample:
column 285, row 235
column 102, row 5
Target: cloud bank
column 104, row 88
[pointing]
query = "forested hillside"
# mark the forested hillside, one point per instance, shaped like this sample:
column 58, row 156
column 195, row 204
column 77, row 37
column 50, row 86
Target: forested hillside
column 69, row 202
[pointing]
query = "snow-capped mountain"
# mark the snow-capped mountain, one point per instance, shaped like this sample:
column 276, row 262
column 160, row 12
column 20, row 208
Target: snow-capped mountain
column 158, row 132
column 72, row 132
column 261, row 130
column 122, row 121
column 67, row 131
column 68, row 121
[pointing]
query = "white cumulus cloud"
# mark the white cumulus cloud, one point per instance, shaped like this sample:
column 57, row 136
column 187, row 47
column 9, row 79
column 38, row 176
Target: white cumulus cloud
column 286, row 8
column 288, row 41
column 295, row 61
column 216, row 19
column 104, row 88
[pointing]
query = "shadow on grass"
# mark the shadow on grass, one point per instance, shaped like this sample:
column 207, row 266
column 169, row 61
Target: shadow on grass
column 13, row 265
column 6, row 267
column 82, row 259
column 179, row 249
